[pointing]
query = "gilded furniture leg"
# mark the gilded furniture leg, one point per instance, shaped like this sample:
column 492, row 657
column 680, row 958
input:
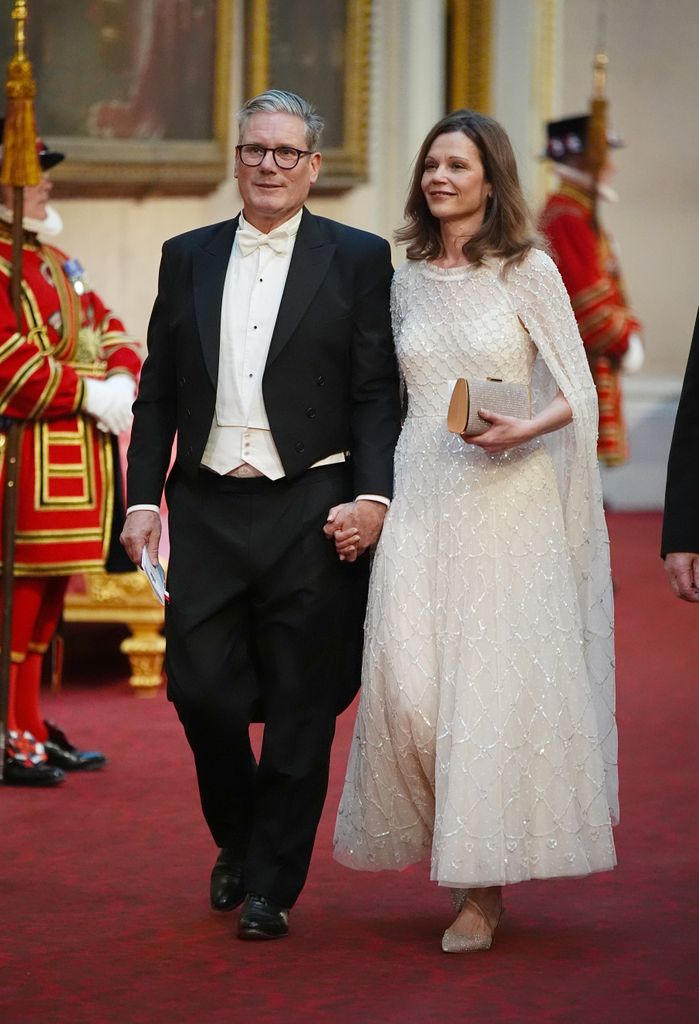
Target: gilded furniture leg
column 145, row 649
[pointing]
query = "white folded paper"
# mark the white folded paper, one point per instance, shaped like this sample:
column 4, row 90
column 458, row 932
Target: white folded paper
column 156, row 576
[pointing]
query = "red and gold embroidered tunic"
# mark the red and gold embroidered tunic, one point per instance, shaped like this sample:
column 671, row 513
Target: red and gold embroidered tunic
column 66, row 475
column 591, row 274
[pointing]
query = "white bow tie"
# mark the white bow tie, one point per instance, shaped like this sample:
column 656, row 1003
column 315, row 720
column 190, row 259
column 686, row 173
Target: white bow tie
column 249, row 240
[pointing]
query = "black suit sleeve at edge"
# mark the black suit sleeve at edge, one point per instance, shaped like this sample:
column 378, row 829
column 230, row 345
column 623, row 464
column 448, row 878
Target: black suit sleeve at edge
column 155, row 409
column 375, row 407
column 681, row 517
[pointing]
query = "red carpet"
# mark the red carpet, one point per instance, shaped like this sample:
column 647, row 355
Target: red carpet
column 103, row 885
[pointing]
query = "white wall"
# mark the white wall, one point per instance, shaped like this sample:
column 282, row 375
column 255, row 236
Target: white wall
column 118, row 242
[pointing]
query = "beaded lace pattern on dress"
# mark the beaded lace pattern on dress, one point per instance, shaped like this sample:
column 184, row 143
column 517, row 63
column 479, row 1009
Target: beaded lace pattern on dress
column 485, row 737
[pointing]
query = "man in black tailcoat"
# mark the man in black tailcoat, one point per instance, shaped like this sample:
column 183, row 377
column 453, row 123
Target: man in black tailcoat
column 680, row 545
column 271, row 358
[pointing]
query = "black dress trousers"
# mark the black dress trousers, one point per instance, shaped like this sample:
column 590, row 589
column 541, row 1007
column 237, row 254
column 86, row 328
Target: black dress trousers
column 264, row 621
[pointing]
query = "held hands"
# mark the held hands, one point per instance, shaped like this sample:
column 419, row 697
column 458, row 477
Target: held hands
column 355, row 526
column 682, row 568
column 109, row 402
column 504, row 433
column 142, row 527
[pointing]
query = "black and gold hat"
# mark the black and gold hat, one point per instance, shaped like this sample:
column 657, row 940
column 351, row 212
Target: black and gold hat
column 568, row 137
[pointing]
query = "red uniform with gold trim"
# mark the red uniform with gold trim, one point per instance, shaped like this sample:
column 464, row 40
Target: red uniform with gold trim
column 66, row 476
column 592, row 277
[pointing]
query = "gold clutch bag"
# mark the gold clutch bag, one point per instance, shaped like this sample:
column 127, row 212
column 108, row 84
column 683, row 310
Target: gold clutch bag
column 470, row 394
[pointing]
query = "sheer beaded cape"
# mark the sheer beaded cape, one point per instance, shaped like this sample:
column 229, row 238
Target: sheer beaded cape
column 485, row 736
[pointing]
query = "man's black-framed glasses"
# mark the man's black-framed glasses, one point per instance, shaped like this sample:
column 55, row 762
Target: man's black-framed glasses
column 285, row 157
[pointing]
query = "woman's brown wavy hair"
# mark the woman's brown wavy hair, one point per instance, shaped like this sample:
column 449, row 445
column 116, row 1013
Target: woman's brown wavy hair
column 506, row 230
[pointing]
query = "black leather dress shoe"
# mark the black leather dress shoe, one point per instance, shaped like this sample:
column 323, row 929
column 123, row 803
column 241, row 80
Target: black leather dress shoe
column 226, row 889
column 61, row 753
column 20, row 773
column 262, row 919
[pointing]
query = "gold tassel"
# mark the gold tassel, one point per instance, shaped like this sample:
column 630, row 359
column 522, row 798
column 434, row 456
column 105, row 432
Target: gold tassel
column 20, row 161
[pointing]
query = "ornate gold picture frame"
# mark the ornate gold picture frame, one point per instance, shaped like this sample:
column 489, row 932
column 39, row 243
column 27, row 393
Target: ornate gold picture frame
column 321, row 53
column 134, row 92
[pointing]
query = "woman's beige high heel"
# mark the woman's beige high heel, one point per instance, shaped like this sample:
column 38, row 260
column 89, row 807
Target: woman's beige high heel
column 456, row 942
column 458, row 898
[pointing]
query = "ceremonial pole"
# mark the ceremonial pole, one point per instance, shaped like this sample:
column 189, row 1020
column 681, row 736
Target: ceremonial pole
column 20, row 168
column 596, row 145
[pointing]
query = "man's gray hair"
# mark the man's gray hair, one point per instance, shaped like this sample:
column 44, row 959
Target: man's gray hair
column 281, row 102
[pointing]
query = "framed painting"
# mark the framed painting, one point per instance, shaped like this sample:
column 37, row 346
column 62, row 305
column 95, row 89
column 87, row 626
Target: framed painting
column 469, row 42
column 324, row 57
column 134, row 92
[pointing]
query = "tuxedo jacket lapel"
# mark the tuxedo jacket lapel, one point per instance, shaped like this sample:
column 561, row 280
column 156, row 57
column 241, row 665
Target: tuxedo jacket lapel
column 209, row 267
column 309, row 264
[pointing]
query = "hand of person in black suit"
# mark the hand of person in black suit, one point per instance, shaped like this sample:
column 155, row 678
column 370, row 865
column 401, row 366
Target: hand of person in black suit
column 355, row 526
column 682, row 568
column 142, row 528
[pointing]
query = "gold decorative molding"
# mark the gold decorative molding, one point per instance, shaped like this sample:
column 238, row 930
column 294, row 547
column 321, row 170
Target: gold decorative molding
column 345, row 162
column 125, row 598
column 543, row 81
column 257, row 45
column 469, row 43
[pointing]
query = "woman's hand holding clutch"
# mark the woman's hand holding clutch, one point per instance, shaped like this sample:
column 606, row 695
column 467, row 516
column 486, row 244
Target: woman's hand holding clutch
column 504, row 433
column 507, row 432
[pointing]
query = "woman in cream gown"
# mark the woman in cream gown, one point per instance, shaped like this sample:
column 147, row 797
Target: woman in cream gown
column 485, row 738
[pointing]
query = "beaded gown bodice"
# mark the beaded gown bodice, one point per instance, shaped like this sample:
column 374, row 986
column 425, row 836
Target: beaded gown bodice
column 433, row 350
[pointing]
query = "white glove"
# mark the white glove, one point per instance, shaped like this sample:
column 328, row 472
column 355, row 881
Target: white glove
column 635, row 355
column 109, row 402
